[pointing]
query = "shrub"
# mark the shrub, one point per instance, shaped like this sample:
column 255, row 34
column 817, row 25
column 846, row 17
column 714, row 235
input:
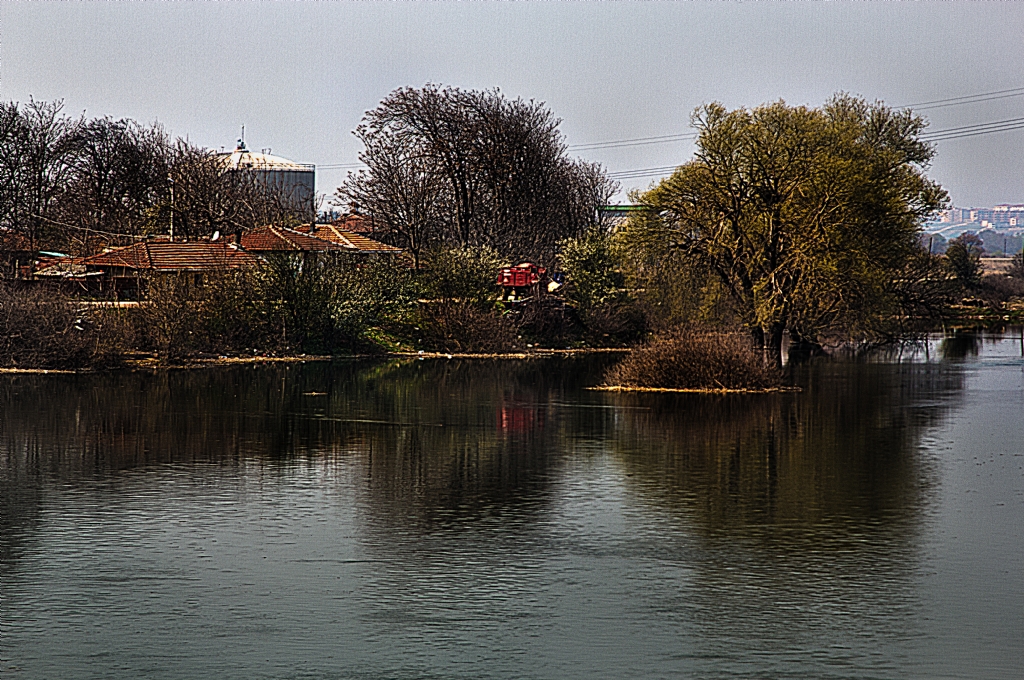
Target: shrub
column 596, row 287
column 462, row 314
column 997, row 289
column 459, row 326
column 316, row 304
column 44, row 328
column 468, row 273
column 371, row 293
column 592, row 270
column 687, row 359
column 183, row 314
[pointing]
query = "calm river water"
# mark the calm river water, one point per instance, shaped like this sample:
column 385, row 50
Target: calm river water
column 463, row 519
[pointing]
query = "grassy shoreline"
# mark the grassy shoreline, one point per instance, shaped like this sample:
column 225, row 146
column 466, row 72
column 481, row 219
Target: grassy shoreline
column 697, row 390
column 154, row 363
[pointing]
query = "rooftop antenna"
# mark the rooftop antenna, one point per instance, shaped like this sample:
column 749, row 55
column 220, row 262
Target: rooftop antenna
column 241, row 141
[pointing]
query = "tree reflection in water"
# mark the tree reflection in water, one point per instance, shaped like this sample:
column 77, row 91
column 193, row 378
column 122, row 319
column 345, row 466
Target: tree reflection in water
column 746, row 523
column 785, row 492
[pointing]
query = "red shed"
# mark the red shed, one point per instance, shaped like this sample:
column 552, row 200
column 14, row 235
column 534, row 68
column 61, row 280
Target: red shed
column 521, row 276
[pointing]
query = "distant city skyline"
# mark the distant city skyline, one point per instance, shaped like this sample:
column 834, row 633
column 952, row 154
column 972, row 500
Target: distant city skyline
column 300, row 76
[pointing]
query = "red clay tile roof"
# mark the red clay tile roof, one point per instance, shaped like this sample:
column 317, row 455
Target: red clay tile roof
column 170, row 256
column 282, row 239
column 350, row 240
column 358, row 224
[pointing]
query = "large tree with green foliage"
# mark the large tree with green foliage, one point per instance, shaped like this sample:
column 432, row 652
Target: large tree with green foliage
column 808, row 217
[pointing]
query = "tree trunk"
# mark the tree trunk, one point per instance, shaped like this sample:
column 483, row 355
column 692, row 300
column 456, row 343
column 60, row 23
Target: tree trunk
column 757, row 334
column 799, row 343
column 773, row 344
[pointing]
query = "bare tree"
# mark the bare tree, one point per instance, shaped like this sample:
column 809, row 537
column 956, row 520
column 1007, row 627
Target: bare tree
column 13, row 141
column 472, row 168
column 48, row 142
column 210, row 197
column 119, row 174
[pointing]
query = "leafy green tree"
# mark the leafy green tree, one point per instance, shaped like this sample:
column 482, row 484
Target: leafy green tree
column 592, row 269
column 963, row 254
column 806, row 216
column 462, row 274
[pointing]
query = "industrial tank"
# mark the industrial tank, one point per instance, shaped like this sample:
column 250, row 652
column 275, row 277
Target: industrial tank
column 295, row 181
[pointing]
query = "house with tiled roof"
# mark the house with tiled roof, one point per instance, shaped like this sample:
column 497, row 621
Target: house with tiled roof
column 160, row 255
column 121, row 268
column 356, row 223
column 275, row 239
column 351, row 241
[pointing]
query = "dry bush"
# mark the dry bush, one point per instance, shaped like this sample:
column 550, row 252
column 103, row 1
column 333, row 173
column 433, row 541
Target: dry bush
column 548, row 321
column 997, row 289
column 615, row 322
column 185, row 314
column 687, row 359
column 465, row 327
column 43, row 328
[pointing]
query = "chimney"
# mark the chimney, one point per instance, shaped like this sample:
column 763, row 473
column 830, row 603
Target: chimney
column 237, row 237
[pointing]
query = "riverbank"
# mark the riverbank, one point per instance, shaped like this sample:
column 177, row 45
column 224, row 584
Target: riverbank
column 155, row 363
column 696, row 390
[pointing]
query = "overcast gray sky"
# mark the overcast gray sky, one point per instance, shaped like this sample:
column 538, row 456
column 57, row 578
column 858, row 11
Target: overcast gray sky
column 300, row 75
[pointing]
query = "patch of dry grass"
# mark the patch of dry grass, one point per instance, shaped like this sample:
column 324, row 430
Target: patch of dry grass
column 696, row 361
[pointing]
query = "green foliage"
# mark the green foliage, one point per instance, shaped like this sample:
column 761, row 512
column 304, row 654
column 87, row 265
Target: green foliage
column 963, row 255
column 370, row 294
column 593, row 264
column 466, row 273
column 322, row 304
column 592, row 268
column 806, row 217
column 462, row 313
column 671, row 289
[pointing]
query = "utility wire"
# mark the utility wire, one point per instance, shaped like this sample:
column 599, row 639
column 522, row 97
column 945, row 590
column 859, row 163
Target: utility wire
column 339, row 166
column 966, row 99
column 970, row 130
column 960, row 132
column 1006, row 125
column 683, row 137
column 933, row 104
column 639, row 141
column 641, row 172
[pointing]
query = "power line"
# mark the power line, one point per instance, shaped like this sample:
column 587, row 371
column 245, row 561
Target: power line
column 340, row 166
column 970, row 130
column 960, row 132
column 688, row 136
column 641, row 172
column 966, row 99
column 639, row 141
column 933, row 104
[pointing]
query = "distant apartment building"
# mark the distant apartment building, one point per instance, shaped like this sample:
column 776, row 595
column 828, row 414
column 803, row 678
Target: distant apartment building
column 1001, row 227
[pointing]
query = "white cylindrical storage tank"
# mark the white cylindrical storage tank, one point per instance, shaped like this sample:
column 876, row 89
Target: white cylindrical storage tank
column 296, row 182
